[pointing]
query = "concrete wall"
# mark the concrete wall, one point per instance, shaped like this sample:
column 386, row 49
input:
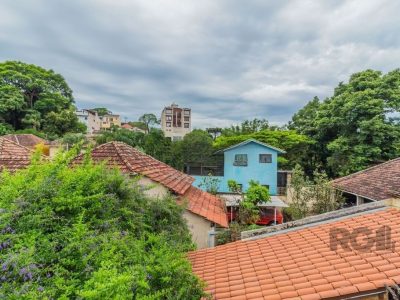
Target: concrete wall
column 264, row 173
column 157, row 190
column 199, row 228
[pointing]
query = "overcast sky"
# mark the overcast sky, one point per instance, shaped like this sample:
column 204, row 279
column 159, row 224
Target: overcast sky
column 227, row 60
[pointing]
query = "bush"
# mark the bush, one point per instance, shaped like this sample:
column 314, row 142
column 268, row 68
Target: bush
column 91, row 233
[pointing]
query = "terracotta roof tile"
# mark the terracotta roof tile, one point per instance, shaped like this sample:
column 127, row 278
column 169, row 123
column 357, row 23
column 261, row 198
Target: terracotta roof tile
column 285, row 255
column 376, row 183
column 132, row 161
column 26, row 140
column 13, row 156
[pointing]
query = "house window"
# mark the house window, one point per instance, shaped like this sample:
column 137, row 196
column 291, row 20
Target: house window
column 169, row 118
column 168, row 124
column 265, row 158
column 186, row 112
column 186, row 119
column 240, row 160
column 186, row 125
column 168, row 111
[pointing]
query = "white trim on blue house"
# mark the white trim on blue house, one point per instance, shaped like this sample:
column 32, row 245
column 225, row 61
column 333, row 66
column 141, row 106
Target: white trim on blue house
column 251, row 141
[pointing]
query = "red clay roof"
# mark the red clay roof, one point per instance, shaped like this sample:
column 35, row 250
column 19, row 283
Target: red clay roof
column 376, row 183
column 26, row 140
column 127, row 126
column 206, row 205
column 299, row 265
column 132, row 161
column 13, row 156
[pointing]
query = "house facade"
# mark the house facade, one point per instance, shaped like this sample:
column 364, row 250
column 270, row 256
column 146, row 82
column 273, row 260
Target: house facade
column 110, row 120
column 90, row 118
column 249, row 160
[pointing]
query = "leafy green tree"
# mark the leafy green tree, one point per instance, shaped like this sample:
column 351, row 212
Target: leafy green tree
column 197, row 148
column 354, row 128
column 88, row 232
column 246, row 127
column 101, row 111
column 148, row 120
column 32, row 97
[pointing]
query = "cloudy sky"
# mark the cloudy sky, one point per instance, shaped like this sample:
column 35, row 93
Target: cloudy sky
column 227, row 60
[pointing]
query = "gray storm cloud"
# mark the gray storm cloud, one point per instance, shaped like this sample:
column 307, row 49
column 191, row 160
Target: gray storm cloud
column 228, row 60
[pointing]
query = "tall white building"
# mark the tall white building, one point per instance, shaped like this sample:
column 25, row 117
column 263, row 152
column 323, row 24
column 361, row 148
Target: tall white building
column 176, row 122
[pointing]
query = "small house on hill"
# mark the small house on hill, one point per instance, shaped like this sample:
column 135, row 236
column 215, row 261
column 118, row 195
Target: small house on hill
column 377, row 183
column 204, row 211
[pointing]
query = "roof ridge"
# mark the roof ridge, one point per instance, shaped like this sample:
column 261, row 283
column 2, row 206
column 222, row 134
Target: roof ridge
column 365, row 170
column 15, row 143
column 126, row 162
column 255, row 141
column 149, row 156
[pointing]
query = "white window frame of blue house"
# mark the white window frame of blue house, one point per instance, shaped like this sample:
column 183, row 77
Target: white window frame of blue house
column 240, row 160
column 265, row 158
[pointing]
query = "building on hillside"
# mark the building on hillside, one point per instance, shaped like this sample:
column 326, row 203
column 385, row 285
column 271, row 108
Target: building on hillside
column 176, row 122
column 110, row 120
column 204, row 212
column 249, row 160
column 312, row 258
column 90, row 118
column 13, row 156
column 377, row 183
column 129, row 127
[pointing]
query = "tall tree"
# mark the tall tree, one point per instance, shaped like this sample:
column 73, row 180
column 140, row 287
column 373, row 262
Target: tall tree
column 355, row 128
column 29, row 94
column 148, row 120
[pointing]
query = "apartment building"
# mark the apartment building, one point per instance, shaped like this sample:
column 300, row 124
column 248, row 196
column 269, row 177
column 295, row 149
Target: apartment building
column 176, row 122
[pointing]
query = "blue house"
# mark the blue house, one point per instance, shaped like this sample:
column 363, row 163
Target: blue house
column 249, row 160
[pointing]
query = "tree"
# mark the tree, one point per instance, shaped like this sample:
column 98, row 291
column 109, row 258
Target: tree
column 354, row 128
column 32, row 97
column 101, row 111
column 197, row 148
column 315, row 196
column 148, row 120
column 215, row 132
column 246, row 127
column 88, row 232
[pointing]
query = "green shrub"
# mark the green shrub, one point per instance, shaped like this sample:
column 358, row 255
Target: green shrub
column 89, row 233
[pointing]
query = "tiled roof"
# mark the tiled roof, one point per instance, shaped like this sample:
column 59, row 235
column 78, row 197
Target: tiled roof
column 299, row 264
column 26, row 140
column 132, row 161
column 376, row 183
column 13, row 156
column 206, row 205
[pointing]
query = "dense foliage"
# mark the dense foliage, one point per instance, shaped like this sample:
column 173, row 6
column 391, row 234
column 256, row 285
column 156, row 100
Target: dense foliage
column 357, row 127
column 32, row 97
column 88, row 233
column 311, row 196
